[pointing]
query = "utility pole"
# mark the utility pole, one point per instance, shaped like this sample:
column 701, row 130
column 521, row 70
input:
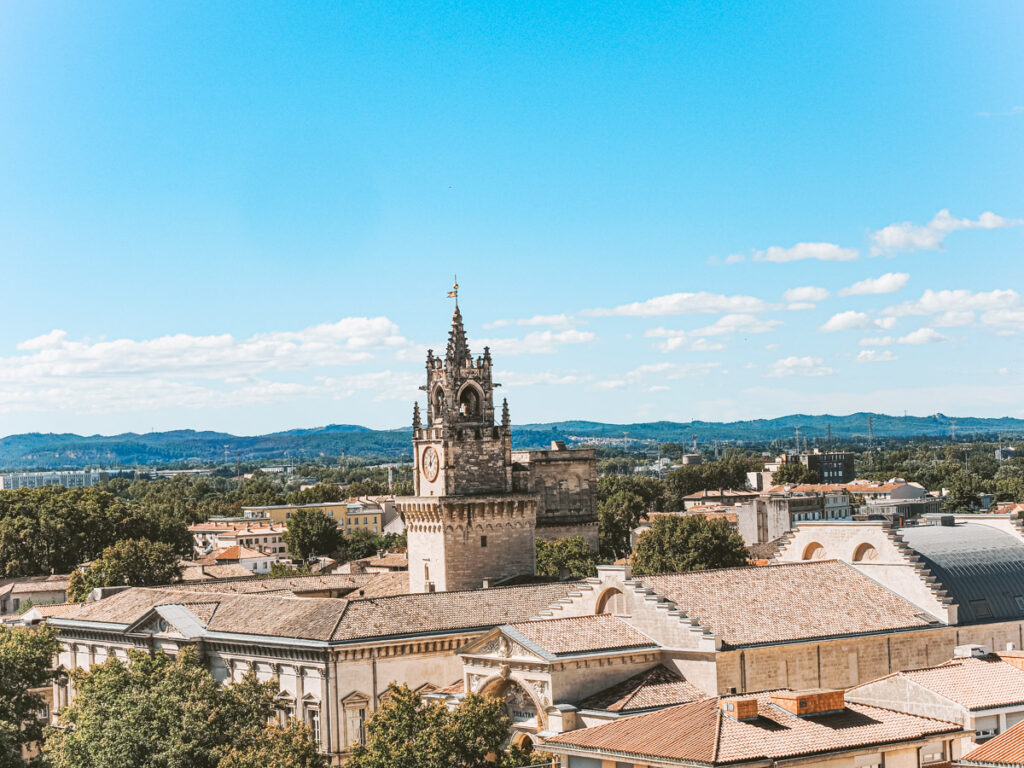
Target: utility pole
column 871, row 433
column 796, row 430
column 828, row 440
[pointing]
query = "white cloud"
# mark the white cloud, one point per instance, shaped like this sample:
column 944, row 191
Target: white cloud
column 806, row 293
column 801, row 251
column 922, row 336
column 553, row 321
column 536, row 342
column 798, row 366
column 697, row 339
column 181, row 370
column 890, row 282
column 905, row 236
column 851, row 320
column 875, row 356
column 514, row 379
column 1011, row 112
column 877, row 341
column 735, row 258
column 683, row 304
column 960, row 300
column 658, row 388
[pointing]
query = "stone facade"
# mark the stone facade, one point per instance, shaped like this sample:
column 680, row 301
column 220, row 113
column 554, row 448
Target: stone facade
column 565, row 482
column 478, row 507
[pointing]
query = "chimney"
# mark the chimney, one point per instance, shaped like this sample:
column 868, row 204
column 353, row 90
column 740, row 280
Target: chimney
column 812, row 702
column 972, row 651
column 739, row 709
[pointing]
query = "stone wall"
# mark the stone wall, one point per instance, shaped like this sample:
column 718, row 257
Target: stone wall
column 459, row 542
column 565, row 482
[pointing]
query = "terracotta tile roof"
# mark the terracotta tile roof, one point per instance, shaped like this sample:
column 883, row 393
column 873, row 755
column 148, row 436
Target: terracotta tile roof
column 1005, row 749
column 23, row 584
column 699, row 732
column 657, row 687
column 579, row 634
column 459, row 686
column 409, row 614
column 202, row 611
column 236, row 552
column 280, row 614
column 975, row 683
column 725, row 493
column 786, row 602
column 197, row 571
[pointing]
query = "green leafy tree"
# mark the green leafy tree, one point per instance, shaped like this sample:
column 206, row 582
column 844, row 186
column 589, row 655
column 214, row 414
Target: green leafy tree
column 617, row 516
column 794, row 472
column 310, row 533
column 138, row 562
column 159, row 712
column 402, row 488
column 260, row 491
column 291, row 747
column 650, row 489
column 570, row 555
column 318, row 494
column 677, row 543
column 408, row 733
column 26, row 662
column 963, row 493
column 363, row 543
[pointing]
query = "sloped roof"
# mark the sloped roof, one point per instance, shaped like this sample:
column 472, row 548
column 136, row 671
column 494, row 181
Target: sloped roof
column 981, row 567
column 975, row 683
column 700, row 732
column 1005, row 749
column 786, row 602
column 580, row 634
column 656, row 687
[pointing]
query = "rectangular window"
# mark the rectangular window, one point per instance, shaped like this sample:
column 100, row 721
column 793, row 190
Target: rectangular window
column 483, row 541
column 313, row 721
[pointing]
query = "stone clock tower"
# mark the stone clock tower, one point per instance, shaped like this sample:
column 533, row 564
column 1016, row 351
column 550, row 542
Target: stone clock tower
column 465, row 525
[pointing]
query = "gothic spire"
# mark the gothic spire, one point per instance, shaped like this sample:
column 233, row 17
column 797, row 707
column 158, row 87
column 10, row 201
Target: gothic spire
column 505, row 420
column 458, row 349
column 416, row 424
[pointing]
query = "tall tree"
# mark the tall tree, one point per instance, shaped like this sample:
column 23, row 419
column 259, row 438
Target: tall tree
column 311, row 532
column 794, row 472
column 677, row 543
column 408, row 733
column 571, row 555
column 26, row 662
column 158, row 712
column 138, row 562
column 617, row 516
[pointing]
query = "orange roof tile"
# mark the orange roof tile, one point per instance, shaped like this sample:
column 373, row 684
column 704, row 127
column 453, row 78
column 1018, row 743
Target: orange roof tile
column 1005, row 749
column 580, row 634
column 657, row 687
column 975, row 683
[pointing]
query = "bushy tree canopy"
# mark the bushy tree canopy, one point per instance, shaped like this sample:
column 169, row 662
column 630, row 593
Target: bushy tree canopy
column 617, row 516
column 571, row 555
column 138, row 562
column 158, row 712
column 677, row 543
column 310, row 533
column 26, row 662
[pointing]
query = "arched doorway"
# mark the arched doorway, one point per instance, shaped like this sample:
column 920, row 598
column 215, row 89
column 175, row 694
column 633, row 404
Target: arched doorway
column 521, row 707
column 524, row 741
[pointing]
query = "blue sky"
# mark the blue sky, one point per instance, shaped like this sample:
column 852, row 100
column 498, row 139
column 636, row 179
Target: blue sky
column 245, row 216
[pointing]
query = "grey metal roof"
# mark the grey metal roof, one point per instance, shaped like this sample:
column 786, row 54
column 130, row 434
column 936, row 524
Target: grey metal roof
column 981, row 568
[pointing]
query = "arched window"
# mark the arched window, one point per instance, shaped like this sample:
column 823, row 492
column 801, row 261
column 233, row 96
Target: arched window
column 438, row 401
column 469, row 402
column 611, row 601
column 814, row 551
column 865, row 553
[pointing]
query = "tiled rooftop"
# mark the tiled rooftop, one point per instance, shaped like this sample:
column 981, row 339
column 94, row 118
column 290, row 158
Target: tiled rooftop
column 580, row 634
column 786, row 602
column 975, row 683
column 700, row 732
column 1005, row 749
column 657, row 687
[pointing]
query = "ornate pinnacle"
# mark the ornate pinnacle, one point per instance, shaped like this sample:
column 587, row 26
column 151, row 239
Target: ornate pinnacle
column 416, row 424
column 505, row 420
column 458, row 349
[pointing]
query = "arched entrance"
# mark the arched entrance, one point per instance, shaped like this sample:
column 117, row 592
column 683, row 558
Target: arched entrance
column 524, row 741
column 525, row 712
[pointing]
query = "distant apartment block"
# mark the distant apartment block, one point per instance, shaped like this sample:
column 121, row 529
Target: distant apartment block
column 830, row 466
column 78, row 478
column 351, row 515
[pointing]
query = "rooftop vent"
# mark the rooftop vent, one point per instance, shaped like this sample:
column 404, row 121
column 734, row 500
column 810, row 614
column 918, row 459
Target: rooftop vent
column 947, row 520
column 740, row 709
column 813, row 702
column 970, row 651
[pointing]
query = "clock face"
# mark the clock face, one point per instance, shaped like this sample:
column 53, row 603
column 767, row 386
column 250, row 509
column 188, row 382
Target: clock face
column 429, row 463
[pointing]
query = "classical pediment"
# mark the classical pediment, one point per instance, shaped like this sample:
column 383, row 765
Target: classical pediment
column 168, row 621
column 498, row 645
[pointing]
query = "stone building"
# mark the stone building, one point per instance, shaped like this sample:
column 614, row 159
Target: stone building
column 477, row 509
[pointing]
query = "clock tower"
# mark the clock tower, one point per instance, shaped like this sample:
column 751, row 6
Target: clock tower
column 465, row 526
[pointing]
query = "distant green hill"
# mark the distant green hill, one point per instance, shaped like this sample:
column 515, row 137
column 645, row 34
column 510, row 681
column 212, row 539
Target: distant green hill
column 50, row 451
